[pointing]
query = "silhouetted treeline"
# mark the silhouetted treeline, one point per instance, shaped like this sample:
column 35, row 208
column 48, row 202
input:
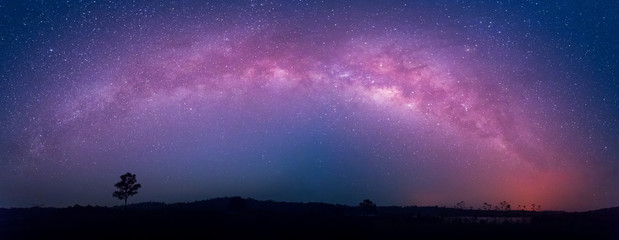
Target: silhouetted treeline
column 238, row 217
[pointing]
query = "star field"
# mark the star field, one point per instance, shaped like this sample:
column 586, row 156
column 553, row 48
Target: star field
column 405, row 103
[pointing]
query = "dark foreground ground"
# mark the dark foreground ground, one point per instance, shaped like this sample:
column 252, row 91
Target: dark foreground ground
column 245, row 218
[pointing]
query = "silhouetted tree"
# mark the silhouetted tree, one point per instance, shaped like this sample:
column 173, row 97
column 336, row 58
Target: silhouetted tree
column 504, row 206
column 460, row 205
column 487, row 206
column 126, row 187
column 368, row 206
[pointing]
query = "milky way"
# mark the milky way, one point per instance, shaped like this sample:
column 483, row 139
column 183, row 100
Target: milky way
column 403, row 103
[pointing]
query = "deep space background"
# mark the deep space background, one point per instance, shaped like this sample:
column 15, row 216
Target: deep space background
column 402, row 102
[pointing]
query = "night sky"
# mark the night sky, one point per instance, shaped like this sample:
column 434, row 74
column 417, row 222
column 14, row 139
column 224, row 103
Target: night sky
column 402, row 102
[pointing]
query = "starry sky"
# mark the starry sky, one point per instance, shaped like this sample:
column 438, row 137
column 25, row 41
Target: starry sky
column 402, row 102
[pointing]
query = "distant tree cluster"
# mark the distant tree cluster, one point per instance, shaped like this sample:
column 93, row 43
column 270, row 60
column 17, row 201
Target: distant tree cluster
column 502, row 206
column 532, row 207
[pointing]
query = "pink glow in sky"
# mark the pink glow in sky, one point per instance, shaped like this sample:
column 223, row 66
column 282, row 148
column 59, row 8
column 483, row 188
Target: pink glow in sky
column 392, row 103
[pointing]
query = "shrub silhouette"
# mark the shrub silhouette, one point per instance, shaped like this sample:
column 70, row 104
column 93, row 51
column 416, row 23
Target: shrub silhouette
column 368, row 207
column 126, row 187
column 505, row 206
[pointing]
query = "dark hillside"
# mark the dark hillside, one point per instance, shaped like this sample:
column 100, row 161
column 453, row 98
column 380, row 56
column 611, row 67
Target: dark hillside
column 237, row 217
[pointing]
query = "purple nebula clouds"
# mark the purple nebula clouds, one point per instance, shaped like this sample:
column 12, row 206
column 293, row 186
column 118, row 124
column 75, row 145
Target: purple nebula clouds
column 312, row 106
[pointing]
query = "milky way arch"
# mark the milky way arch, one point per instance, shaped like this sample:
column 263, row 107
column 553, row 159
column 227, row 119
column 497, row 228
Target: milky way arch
column 282, row 107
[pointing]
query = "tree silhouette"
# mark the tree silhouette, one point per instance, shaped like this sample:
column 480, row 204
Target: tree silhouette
column 487, row 206
column 505, row 206
column 368, row 206
column 126, row 187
